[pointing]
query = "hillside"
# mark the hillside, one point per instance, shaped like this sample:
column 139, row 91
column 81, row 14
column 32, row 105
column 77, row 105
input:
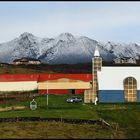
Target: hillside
column 46, row 68
column 56, row 68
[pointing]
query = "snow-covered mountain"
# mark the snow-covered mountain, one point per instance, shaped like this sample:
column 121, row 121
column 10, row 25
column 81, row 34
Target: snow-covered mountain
column 63, row 49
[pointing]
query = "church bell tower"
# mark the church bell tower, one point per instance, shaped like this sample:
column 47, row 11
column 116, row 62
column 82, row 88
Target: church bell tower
column 91, row 94
column 96, row 66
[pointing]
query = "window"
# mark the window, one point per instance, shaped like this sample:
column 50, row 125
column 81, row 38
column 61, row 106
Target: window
column 130, row 89
column 97, row 63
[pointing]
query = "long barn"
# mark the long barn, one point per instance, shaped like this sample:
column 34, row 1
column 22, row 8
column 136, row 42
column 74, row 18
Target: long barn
column 51, row 83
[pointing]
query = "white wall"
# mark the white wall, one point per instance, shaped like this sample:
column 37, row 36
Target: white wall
column 18, row 86
column 111, row 78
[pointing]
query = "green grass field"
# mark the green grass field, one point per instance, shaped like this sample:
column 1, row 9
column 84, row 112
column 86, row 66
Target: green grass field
column 126, row 115
column 57, row 108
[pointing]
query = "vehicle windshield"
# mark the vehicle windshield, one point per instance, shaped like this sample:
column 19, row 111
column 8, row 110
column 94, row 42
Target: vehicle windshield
column 73, row 97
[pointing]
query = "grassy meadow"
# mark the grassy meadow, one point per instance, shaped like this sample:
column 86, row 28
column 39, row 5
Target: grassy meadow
column 55, row 130
column 123, row 115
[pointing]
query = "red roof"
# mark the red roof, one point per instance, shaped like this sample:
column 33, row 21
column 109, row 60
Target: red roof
column 42, row 77
column 18, row 77
column 83, row 77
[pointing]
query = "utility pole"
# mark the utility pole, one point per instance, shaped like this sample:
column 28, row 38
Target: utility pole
column 47, row 94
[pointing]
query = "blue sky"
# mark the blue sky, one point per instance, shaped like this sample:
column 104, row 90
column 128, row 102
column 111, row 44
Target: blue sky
column 102, row 21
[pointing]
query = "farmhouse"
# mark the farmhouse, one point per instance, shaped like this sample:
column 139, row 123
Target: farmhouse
column 26, row 61
column 125, row 60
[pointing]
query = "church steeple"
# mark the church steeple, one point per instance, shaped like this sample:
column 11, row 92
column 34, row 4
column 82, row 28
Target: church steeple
column 92, row 94
column 96, row 52
column 96, row 67
column 96, row 60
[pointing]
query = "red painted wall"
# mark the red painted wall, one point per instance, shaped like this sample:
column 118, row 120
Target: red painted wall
column 18, row 77
column 53, row 91
column 84, row 77
column 60, row 91
column 45, row 77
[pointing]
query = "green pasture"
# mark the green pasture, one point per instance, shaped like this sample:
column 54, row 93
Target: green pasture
column 125, row 115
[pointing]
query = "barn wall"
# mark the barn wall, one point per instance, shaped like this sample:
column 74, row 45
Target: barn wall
column 53, row 91
column 83, row 77
column 60, row 91
column 18, row 86
column 26, row 82
column 63, row 85
column 18, row 77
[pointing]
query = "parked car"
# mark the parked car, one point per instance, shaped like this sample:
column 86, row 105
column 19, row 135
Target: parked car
column 74, row 99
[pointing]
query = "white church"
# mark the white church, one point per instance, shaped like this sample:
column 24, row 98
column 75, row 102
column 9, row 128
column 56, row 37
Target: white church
column 114, row 83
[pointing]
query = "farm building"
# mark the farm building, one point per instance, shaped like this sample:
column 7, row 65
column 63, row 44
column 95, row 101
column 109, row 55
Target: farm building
column 55, row 83
column 64, row 83
column 26, row 61
column 125, row 60
column 18, row 82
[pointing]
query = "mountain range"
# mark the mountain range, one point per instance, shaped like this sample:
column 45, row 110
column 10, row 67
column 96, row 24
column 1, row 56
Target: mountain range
column 64, row 49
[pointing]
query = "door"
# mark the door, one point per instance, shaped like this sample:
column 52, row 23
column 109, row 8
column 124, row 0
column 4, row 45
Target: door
column 71, row 91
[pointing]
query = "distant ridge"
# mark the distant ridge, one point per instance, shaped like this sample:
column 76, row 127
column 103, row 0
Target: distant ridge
column 63, row 49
